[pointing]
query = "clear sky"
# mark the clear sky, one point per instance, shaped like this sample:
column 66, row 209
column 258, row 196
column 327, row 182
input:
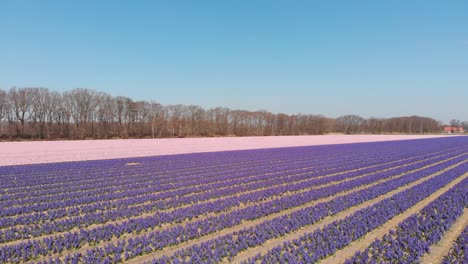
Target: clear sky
column 371, row 58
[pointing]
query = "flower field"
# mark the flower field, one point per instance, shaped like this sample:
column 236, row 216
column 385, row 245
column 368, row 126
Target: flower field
column 33, row 152
column 374, row 202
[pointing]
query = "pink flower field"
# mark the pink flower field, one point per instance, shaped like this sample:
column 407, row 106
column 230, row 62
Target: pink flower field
column 17, row 153
column 374, row 202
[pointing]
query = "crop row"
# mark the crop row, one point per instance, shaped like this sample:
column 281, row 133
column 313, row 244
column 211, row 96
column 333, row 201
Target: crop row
column 90, row 180
column 114, row 184
column 135, row 180
column 133, row 200
column 157, row 240
column 51, row 178
column 219, row 205
column 108, row 211
column 324, row 242
column 190, row 161
column 459, row 252
column 414, row 236
column 243, row 174
column 181, row 163
column 260, row 190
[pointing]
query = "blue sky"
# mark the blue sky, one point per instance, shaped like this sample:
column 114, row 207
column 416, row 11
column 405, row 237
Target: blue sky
column 371, row 58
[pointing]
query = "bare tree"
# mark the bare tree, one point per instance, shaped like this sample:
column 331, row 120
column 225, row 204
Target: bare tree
column 375, row 125
column 270, row 124
column 160, row 115
column 42, row 107
column 350, row 124
column 138, row 117
column 4, row 109
column 196, row 116
column 464, row 124
column 292, row 125
column 411, row 124
column 455, row 123
column 21, row 104
column 312, row 124
column 121, row 110
column 84, row 113
column 105, row 115
column 220, row 120
column 178, row 116
column 282, row 124
column 81, row 104
column 55, row 116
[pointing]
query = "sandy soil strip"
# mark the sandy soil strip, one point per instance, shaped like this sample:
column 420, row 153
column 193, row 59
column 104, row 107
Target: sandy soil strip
column 441, row 249
column 17, row 153
column 263, row 249
column 360, row 245
column 279, row 241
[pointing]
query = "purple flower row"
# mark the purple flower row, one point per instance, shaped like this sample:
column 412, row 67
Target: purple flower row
column 212, row 170
column 134, row 211
column 221, row 205
column 186, row 180
column 175, row 161
column 458, row 254
column 57, row 175
column 86, row 197
column 99, row 179
column 86, row 219
column 413, row 237
column 315, row 246
column 139, row 188
column 279, row 226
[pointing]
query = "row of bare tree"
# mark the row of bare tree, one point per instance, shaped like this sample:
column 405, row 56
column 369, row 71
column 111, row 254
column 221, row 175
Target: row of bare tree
column 38, row 113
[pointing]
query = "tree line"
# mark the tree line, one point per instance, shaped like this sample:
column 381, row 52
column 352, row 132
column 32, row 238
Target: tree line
column 39, row 113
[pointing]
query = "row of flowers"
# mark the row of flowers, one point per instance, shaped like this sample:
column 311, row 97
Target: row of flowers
column 231, row 244
column 315, row 246
column 50, row 222
column 414, row 236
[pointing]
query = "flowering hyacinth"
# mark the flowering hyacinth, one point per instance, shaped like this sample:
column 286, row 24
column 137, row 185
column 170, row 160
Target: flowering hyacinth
column 106, row 211
column 312, row 247
column 415, row 235
column 459, row 252
column 87, row 219
column 209, row 225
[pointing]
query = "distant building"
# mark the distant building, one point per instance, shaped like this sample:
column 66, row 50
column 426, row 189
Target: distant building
column 450, row 129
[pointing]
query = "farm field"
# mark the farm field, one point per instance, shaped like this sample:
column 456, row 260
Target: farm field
column 371, row 202
column 33, row 152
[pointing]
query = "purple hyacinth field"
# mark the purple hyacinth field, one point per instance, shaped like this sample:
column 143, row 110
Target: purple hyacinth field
column 401, row 201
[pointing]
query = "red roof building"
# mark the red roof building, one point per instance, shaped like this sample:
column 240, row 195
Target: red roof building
column 450, row 129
